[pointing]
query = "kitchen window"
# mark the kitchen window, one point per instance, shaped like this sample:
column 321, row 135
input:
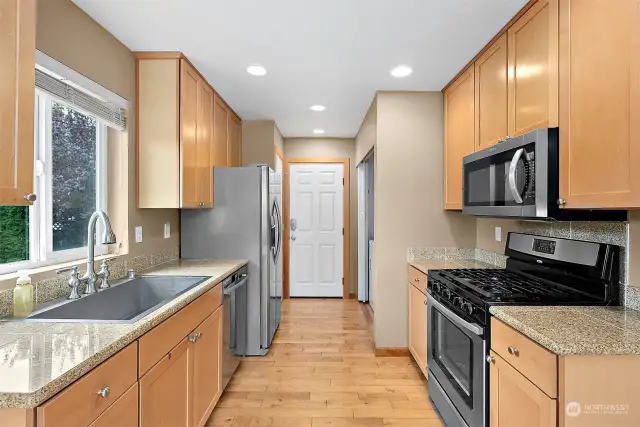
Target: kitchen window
column 72, row 115
column 70, row 181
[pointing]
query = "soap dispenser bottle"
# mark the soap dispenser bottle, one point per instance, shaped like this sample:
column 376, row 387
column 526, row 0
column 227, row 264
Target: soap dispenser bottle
column 23, row 295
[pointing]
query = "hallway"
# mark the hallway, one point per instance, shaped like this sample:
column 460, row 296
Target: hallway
column 322, row 372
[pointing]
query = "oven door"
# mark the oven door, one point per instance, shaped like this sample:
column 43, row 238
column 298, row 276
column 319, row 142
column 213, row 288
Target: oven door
column 456, row 351
column 500, row 180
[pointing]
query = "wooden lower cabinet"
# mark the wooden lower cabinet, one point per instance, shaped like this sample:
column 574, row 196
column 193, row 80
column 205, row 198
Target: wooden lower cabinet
column 123, row 413
column 207, row 368
column 516, row 401
column 418, row 327
column 165, row 391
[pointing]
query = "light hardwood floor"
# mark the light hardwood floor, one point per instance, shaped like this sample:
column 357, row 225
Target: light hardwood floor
column 321, row 372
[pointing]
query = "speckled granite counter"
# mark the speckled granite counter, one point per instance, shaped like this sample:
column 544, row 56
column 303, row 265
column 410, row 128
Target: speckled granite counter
column 37, row 360
column 576, row 330
column 448, row 264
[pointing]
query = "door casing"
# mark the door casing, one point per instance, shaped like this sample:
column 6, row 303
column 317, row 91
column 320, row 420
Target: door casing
column 345, row 212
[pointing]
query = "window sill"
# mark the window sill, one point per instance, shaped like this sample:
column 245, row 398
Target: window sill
column 38, row 273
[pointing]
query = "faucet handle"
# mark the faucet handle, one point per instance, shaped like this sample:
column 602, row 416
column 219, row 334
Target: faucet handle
column 73, row 282
column 104, row 275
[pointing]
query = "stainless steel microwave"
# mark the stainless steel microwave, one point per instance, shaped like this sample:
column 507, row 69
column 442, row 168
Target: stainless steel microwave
column 519, row 178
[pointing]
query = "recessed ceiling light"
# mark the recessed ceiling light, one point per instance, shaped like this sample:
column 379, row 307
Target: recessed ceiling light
column 317, row 108
column 401, row 71
column 318, row 131
column 256, row 70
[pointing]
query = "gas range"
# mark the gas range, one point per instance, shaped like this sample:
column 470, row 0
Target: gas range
column 539, row 271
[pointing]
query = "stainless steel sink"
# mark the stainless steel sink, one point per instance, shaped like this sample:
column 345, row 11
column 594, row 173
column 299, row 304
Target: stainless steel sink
column 125, row 302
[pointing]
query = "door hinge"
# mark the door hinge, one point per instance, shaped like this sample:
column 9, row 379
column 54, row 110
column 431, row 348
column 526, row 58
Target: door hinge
column 343, row 181
column 343, row 231
column 343, row 280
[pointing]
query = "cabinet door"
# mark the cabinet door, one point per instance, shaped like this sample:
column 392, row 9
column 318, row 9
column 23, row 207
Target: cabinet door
column 165, row 391
column 491, row 95
column 220, row 133
column 459, row 131
column 418, row 327
column 123, row 413
column 599, row 103
column 533, row 69
column 189, row 79
column 17, row 94
column 207, row 367
column 204, row 187
column 235, row 141
column 515, row 401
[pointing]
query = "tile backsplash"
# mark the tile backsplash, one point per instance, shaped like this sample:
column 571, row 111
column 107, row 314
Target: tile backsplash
column 57, row 287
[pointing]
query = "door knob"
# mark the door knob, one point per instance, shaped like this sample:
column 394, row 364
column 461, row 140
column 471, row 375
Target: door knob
column 293, row 237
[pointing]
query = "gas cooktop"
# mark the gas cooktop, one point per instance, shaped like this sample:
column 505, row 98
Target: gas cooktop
column 539, row 270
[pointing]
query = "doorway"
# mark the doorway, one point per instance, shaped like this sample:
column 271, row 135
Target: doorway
column 316, row 240
column 366, row 173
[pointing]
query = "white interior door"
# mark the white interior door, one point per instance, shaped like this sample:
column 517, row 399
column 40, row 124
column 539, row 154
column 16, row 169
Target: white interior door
column 316, row 225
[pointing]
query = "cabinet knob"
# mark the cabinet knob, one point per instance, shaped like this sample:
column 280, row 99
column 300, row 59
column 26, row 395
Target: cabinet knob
column 514, row 351
column 490, row 359
column 104, row 392
column 30, row 197
column 562, row 202
column 425, row 302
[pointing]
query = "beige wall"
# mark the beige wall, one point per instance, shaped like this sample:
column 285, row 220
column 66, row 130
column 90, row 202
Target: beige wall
column 278, row 141
column 366, row 137
column 334, row 148
column 258, row 140
column 67, row 34
column 408, row 202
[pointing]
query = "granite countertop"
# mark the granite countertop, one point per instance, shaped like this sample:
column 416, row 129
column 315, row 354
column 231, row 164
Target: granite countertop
column 38, row 360
column 448, row 264
column 576, row 330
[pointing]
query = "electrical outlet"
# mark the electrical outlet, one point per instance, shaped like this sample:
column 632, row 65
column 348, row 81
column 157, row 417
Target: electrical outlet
column 139, row 234
column 167, row 230
column 498, row 234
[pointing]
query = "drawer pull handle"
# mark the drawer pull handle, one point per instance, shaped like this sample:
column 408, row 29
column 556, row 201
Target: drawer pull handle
column 490, row 359
column 514, row 351
column 416, row 280
column 104, row 392
column 195, row 337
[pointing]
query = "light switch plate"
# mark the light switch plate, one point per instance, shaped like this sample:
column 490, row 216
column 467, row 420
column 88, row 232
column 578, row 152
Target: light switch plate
column 139, row 234
column 498, row 234
column 167, row 230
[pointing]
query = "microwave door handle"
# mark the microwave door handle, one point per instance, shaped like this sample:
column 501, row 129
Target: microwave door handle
column 512, row 175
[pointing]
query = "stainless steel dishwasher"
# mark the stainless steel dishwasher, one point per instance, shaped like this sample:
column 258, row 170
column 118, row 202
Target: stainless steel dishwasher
column 234, row 289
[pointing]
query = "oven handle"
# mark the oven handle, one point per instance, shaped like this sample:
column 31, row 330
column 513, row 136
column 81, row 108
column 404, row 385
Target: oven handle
column 451, row 316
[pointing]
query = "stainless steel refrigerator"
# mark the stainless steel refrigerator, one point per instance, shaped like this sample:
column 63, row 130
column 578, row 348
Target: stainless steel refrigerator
column 245, row 223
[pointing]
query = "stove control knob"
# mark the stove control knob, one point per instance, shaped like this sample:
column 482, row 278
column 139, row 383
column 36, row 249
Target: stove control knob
column 458, row 302
column 468, row 308
column 436, row 287
column 447, row 294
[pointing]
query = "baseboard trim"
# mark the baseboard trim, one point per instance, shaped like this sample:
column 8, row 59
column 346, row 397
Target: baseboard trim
column 368, row 315
column 392, row 352
column 353, row 296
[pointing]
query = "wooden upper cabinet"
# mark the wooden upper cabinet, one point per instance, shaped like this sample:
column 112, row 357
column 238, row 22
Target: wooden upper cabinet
column 459, row 137
column 181, row 132
column 220, row 133
column 204, row 161
column 491, row 95
column 600, row 103
column 189, row 94
column 17, row 97
column 234, row 140
column 207, row 366
column 515, row 401
column 533, row 69
column 165, row 391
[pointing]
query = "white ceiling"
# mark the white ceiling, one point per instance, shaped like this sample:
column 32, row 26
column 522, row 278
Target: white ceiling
column 332, row 52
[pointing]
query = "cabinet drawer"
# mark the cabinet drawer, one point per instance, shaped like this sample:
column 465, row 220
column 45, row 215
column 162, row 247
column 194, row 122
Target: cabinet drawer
column 417, row 278
column 80, row 404
column 539, row 365
column 160, row 340
column 123, row 413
